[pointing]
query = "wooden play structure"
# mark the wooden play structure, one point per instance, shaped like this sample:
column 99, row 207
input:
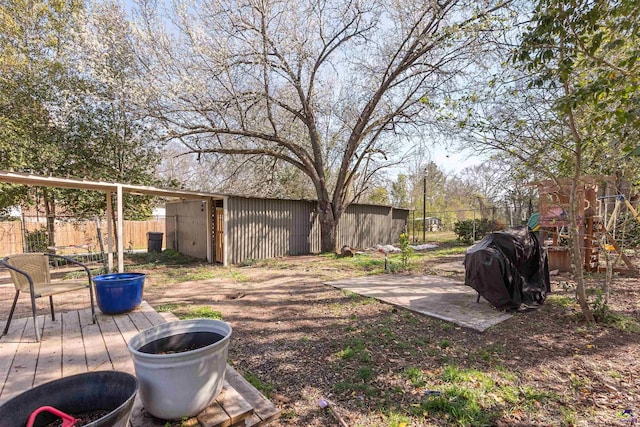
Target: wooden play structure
column 596, row 221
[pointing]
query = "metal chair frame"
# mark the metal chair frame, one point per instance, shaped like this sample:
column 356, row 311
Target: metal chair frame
column 43, row 280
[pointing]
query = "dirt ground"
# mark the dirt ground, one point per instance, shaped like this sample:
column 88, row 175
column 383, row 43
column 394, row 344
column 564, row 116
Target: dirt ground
column 301, row 341
column 292, row 334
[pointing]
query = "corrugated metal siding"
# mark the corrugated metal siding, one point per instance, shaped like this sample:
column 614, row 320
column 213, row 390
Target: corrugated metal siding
column 186, row 223
column 268, row 228
column 363, row 226
column 400, row 221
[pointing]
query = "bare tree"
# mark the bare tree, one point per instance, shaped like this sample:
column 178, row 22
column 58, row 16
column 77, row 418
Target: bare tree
column 330, row 87
column 501, row 180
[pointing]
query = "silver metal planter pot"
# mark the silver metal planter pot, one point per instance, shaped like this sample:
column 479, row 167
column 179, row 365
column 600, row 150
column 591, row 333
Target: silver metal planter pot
column 180, row 366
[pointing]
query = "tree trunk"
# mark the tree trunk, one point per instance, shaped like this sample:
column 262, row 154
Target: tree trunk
column 575, row 207
column 114, row 221
column 328, row 227
column 576, row 253
column 50, row 212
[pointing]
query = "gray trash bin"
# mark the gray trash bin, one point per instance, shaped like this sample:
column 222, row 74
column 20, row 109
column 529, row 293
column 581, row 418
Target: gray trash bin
column 154, row 242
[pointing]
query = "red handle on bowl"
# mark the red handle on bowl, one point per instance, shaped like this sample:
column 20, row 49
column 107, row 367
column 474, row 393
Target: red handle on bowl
column 67, row 420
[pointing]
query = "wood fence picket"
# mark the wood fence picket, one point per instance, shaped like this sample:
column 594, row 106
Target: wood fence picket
column 80, row 234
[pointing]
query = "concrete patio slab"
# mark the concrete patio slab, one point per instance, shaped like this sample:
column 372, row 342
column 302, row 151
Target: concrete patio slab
column 453, row 267
column 435, row 296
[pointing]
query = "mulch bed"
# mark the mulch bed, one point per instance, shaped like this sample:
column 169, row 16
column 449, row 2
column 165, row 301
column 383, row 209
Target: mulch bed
column 289, row 330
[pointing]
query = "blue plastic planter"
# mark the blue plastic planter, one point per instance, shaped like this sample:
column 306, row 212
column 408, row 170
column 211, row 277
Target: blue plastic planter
column 119, row 292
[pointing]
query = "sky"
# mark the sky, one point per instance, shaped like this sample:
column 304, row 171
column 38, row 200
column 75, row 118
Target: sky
column 454, row 162
column 447, row 160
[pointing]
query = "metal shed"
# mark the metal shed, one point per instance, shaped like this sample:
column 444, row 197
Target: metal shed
column 244, row 228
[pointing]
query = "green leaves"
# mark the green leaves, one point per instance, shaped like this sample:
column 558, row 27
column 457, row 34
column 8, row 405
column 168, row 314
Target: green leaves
column 65, row 104
column 586, row 49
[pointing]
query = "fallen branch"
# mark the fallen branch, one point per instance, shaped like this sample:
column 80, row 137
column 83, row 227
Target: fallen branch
column 325, row 403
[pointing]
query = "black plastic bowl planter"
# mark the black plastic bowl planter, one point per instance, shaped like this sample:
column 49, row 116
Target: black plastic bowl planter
column 112, row 391
column 119, row 292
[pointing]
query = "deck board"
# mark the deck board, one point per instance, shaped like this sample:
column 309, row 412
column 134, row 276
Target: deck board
column 74, row 344
column 140, row 320
column 23, row 368
column 233, row 403
column 153, row 316
column 116, row 345
column 94, row 346
column 8, row 349
column 49, row 365
column 74, row 360
column 126, row 327
column 214, row 415
column 264, row 409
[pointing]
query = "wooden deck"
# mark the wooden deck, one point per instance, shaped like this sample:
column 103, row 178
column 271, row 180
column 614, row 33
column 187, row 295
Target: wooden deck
column 72, row 345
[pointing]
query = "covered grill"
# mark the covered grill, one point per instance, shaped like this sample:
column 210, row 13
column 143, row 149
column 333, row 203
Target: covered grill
column 509, row 269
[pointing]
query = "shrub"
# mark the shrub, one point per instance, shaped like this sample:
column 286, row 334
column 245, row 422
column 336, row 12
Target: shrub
column 405, row 249
column 37, row 240
column 464, row 229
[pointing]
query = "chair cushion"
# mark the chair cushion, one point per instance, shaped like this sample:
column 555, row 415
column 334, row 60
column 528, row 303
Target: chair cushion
column 53, row 288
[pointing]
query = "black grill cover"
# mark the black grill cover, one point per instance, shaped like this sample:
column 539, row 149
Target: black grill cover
column 508, row 268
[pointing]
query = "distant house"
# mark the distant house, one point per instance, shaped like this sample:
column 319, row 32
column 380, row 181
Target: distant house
column 431, row 223
column 434, row 224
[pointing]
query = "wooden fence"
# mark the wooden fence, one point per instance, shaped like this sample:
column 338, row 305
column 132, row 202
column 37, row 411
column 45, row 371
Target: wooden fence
column 72, row 236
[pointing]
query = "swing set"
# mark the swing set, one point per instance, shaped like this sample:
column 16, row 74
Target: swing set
column 612, row 233
column 602, row 232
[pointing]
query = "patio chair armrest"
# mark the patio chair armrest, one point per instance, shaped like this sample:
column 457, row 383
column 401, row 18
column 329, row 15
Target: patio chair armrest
column 17, row 270
column 72, row 261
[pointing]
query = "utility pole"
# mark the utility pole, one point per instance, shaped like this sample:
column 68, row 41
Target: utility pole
column 424, row 207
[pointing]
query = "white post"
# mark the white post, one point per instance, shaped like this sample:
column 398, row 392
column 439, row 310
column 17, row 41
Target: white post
column 120, row 233
column 109, row 232
column 225, row 238
column 209, row 221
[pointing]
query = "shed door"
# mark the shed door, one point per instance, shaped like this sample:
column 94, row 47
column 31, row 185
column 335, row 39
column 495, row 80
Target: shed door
column 218, row 233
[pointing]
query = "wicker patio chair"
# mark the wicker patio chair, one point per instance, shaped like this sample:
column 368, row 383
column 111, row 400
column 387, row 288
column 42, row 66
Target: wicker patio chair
column 31, row 273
